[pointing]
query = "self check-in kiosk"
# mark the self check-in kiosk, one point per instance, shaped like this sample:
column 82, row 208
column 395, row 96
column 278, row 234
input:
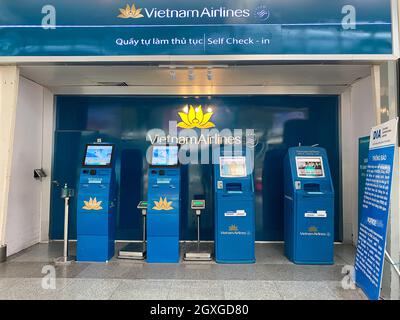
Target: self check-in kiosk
column 96, row 204
column 234, row 210
column 309, row 206
column 163, row 205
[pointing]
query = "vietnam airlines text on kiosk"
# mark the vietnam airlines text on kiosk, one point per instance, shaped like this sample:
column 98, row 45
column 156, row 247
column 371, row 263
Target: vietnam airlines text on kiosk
column 309, row 206
column 234, row 210
column 96, row 204
column 163, row 205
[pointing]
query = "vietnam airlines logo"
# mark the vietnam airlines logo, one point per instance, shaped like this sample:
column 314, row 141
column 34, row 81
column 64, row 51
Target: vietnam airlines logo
column 92, row 204
column 195, row 118
column 233, row 228
column 163, row 205
column 130, row 12
column 313, row 229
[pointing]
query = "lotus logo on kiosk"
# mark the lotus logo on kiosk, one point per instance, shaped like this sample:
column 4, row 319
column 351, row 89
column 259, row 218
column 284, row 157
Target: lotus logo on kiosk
column 313, row 229
column 130, row 12
column 92, row 204
column 162, row 205
column 233, row 228
column 195, row 118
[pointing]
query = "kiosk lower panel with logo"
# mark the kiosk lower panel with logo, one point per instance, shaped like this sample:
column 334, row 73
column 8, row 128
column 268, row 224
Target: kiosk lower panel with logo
column 234, row 211
column 309, row 206
column 96, row 204
column 163, row 205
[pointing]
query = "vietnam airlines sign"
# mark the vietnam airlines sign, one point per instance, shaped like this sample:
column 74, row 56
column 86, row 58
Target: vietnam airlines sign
column 197, row 28
column 207, row 12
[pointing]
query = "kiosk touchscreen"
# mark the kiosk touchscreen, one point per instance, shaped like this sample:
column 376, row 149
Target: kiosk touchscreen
column 96, row 204
column 309, row 206
column 234, row 210
column 163, row 205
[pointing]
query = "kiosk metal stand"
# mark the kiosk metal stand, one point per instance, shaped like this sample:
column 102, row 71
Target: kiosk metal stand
column 198, row 254
column 66, row 194
column 136, row 251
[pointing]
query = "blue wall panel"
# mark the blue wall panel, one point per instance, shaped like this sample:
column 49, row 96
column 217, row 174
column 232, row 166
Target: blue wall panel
column 280, row 121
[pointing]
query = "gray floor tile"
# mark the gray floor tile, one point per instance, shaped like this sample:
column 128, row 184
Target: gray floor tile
column 317, row 273
column 42, row 252
column 271, row 253
column 32, row 289
column 104, row 271
column 6, row 283
column 235, row 272
column 197, row 271
column 346, row 294
column 251, row 290
column 275, row 272
column 346, row 252
column 292, row 272
column 88, row 289
column 272, row 277
column 305, row 290
column 142, row 290
column 21, row 269
column 70, row 271
column 155, row 271
column 196, row 290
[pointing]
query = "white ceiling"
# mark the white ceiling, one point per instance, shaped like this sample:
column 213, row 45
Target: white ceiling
column 144, row 76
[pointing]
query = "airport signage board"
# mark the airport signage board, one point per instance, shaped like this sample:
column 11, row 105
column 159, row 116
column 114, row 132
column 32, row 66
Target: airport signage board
column 363, row 150
column 371, row 244
column 206, row 27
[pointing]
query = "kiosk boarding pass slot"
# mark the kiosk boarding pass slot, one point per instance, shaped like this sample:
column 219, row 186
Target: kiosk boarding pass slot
column 234, row 188
column 312, row 188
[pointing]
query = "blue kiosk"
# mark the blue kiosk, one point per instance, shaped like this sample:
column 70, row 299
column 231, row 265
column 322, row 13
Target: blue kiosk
column 309, row 206
column 96, row 206
column 234, row 210
column 164, row 181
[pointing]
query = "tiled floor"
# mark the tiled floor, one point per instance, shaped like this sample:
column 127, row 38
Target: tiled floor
column 272, row 277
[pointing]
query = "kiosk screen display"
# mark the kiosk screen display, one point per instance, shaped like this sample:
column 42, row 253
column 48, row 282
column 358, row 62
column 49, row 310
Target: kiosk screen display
column 98, row 155
column 165, row 156
column 232, row 167
column 310, row 167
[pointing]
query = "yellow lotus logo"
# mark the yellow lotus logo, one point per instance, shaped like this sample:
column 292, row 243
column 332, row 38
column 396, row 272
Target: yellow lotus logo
column 92, row 204
column 130, row 12
column 162, row 205
column 233, row 228
column 195, row 118
column 312, row 229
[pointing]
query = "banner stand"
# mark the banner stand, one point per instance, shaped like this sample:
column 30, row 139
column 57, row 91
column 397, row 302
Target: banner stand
column 371, row 246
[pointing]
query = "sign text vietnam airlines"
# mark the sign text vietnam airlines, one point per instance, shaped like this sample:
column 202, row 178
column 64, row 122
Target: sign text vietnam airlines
column 205, row 13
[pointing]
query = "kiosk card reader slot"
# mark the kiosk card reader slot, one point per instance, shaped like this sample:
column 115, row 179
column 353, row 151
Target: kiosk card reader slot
column 309, row 206
column 234, row 210
column 163, row 205
column 96, row 204
column 234, row 187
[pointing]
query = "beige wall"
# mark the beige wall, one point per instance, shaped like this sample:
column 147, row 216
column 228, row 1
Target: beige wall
column 9, row 79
